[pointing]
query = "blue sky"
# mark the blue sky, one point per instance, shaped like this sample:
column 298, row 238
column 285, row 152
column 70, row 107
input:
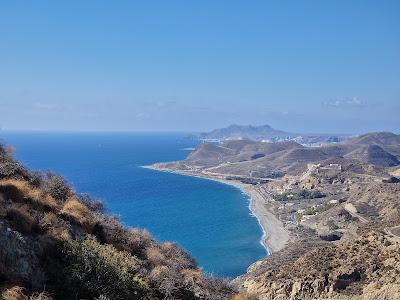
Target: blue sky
column 304, row 66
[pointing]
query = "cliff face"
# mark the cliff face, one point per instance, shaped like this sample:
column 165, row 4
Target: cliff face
column 56, row 243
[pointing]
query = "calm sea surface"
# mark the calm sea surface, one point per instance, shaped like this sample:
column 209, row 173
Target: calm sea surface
column 209, row 219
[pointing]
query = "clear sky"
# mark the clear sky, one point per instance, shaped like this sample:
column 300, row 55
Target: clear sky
column 304, row 66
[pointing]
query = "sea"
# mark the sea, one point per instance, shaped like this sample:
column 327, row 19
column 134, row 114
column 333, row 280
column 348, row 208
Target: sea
column 211, row 220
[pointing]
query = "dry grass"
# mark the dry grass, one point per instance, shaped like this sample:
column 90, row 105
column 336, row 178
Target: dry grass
column 19, row 191
column 77, row 210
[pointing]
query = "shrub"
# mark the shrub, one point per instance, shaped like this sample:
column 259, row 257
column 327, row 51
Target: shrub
column 79, row 212
column 91, row 203
column 138, row 241
column 155, row 256
column 167, row 282
column 36, row 179
column 92, row 269
column 57, row 187
column 55, row 227
column 177, row 257
column 9, row 168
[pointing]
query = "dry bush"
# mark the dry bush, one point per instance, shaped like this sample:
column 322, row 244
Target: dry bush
column 92, row 269
column 167, row 282
column 108, row 229
column 9, row 167
column 206, row 287
column 139, row 240
column 12, row 169
column 55, row 227
column 14, row 293
column 177, row 257
column 155, row 256
column 20, row 219
column 91, row 203
column 36, row 179
column 48, row 220
column 57, row 187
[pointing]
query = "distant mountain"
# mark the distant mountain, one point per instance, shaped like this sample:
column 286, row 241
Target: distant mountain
column 266, row 132
column 247, row 132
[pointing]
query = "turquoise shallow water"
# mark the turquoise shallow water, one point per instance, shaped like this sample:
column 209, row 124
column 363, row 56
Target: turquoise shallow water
column 209, row 219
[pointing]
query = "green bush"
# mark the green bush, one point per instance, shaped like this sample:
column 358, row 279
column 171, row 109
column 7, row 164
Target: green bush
column 94, row 270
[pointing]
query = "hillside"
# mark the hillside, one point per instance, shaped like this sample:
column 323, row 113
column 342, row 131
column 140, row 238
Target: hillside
column 373, row 154
column 58, row 244
column 275, row 159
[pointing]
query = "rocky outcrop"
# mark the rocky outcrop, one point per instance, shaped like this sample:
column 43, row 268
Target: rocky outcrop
column 19, row 256
column 356, row 268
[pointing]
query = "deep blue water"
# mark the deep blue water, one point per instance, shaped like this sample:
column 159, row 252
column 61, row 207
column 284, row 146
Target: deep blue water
column 209, row 219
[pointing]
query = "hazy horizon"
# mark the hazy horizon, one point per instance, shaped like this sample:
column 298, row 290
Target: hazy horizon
column 307, row 67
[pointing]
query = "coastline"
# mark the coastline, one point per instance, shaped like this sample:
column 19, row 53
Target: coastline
column 275, row 236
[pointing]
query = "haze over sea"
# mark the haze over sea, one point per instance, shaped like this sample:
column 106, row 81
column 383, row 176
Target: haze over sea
column 211, row 220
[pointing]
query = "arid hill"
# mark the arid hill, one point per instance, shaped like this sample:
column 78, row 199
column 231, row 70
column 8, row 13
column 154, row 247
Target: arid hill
column 262, row 159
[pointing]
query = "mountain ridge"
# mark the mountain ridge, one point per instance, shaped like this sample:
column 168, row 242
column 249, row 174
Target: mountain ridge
column 266, row 132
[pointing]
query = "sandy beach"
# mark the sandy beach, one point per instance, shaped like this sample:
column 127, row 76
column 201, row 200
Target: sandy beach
column 275, row 236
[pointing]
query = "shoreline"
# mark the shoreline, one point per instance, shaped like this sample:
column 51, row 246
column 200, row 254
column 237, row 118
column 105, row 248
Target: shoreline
column 275, row 236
